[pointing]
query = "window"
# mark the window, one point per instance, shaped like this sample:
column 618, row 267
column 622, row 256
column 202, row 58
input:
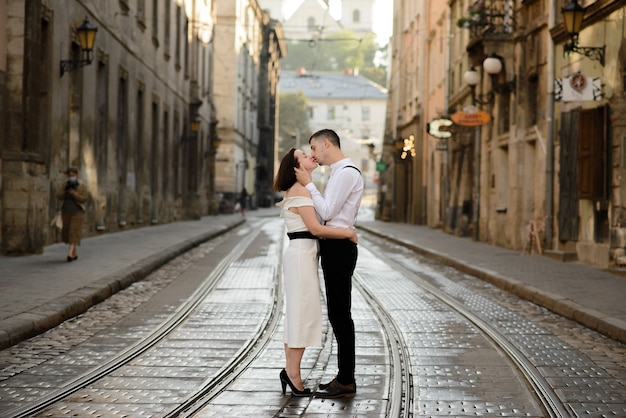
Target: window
column 178, row 38
column 330, row 113
column 100, row 139
column 533, row 88
column 311, row 24
column 167, row 29
column 155, row 22
column 592, row 154
column 365, row 113
column 356, row 16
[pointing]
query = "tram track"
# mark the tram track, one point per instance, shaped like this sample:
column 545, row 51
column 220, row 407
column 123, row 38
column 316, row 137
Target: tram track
column 541, row 388
column 160, row 333
column 399, row 388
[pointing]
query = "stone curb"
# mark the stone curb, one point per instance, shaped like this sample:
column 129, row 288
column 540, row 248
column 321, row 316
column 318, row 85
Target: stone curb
column 611, row 327
column 42, row 318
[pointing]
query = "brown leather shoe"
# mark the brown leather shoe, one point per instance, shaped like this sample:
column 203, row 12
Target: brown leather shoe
column 336, row 390
column 325, row 386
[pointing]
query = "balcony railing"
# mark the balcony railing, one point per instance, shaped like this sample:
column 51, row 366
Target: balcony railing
column 489, row 17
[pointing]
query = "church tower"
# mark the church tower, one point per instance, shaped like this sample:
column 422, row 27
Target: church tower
column 275, row 8
column 357, row 15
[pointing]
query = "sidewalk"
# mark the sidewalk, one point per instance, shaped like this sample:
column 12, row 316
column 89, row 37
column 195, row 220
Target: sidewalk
column 585, row 294
column 38, row 292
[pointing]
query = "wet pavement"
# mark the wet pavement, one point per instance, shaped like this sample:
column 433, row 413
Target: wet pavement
column 40, row 291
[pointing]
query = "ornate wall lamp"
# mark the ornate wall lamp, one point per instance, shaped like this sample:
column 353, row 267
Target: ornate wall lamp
column 194, row 125
column 573, row 14
column 493, row 66
column 86, row 37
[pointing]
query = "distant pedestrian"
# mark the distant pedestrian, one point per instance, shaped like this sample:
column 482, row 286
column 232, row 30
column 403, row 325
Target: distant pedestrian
column 243, row 200
column 73, row 195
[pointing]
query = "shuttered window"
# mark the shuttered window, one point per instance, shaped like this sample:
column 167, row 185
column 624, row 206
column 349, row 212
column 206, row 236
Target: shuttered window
column 593, row 154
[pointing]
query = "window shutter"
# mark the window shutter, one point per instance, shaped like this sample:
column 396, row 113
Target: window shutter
column 592, row 154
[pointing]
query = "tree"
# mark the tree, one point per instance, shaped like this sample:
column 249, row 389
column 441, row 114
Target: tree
column 337, row 52
column 293, row 121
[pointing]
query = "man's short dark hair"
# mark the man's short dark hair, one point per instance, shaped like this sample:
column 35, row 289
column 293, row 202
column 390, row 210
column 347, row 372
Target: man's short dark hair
column 328, row 134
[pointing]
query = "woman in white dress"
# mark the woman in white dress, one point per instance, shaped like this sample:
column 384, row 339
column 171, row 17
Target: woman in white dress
column 303, row 312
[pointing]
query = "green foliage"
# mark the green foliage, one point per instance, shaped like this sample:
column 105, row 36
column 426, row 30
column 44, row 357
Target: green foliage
column 293, row 119
column 337, row 52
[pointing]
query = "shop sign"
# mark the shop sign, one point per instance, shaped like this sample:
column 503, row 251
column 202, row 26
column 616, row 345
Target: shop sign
column 578, row 88
column 440, row 128
column 476, row 118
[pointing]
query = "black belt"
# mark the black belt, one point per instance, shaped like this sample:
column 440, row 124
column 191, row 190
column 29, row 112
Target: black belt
column 301, row 235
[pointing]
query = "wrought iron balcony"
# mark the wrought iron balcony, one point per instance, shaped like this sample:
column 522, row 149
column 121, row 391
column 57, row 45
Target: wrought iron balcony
column 489, row 17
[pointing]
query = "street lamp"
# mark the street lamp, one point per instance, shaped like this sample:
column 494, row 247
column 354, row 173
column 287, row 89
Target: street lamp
column 573, row 15
column 493, row 66
column 86, row 38
column 195, row 124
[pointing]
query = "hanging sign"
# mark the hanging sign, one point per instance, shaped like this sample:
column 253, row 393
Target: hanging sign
column 440, row 128
column 578, row 88
column 476, row 118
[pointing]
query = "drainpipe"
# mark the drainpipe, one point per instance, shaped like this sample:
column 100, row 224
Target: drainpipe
column 476, row 211
column 549, row 198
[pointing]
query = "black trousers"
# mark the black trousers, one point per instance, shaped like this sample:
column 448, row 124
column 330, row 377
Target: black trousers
column 338, row 259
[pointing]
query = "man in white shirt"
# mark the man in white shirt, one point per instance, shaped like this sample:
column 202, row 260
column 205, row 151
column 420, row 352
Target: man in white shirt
column 337, row 207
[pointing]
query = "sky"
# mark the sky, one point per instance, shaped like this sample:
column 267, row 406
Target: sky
column 383, row 10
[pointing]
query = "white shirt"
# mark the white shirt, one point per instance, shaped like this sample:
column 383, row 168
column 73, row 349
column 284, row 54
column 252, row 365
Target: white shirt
column 340, row 203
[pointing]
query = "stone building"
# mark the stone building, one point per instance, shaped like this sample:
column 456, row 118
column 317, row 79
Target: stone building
column 247, row 49
column 351, row 105
column 544, row 169
column 317, row 18
column 138, row 115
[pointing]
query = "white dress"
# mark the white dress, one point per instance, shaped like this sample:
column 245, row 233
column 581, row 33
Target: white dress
column 303, row 310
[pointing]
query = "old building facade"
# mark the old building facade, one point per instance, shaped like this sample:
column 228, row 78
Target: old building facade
column 544, row 166
column 246, row 48
column 139, row 119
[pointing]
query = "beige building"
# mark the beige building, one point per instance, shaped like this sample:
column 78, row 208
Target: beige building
column 137, row 115
column 352, row 106
column 545, row 167
column 248, row 45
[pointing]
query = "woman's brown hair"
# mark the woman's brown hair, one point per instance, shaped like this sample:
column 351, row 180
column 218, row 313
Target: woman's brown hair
column 286, row 176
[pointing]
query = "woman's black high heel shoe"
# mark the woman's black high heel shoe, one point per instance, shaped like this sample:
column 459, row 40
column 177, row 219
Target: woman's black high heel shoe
column 284, row 381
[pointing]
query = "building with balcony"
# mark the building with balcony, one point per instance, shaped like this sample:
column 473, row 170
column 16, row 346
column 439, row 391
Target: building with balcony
column 542, row 168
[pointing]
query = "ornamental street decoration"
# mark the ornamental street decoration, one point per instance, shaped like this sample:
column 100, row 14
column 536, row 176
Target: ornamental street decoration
column 471, row 118
column 578, row 88
column 440, row 128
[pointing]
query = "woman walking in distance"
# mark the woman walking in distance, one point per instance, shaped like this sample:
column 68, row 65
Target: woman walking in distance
column 303, row 312
column 74, row 194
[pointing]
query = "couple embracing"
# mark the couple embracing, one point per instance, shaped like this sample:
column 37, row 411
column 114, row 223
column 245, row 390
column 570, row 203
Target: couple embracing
column 337, row 242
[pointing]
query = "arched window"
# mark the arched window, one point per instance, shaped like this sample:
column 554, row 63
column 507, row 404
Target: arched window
column 356, row 16
column 311, row 24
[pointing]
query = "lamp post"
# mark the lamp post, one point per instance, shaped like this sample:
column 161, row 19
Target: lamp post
column 493, row 66
column 86, row 38
column 573, row 15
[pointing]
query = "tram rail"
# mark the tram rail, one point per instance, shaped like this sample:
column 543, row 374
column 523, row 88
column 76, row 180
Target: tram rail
column 541, row 388
column 160, row 333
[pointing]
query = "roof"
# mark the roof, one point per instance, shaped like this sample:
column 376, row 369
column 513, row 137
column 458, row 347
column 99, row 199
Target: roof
column 330, row 85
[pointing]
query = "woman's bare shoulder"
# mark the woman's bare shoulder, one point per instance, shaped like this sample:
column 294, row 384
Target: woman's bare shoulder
column 298, row 190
